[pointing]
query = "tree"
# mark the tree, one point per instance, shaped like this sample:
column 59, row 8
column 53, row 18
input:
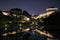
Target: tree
column 15, row 14
column 4, row 19
column 26, row 14
column 52, row 24
column 16, row 11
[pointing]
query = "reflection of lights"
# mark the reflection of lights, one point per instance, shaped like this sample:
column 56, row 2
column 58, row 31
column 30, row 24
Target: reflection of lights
column 49, row 35
column 5, row 34
column 43, row 33
column 27, row 29
column 6, row 25
column 5, row 28
column 14, row 32
column 4, row 13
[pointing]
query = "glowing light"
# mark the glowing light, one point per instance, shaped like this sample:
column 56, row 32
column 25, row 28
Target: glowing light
column 14, row 32
column 5, row 28
column 5, row 13
column 51, row 9
column 25, row 30
column 6, row 25
column 44, row 14
column 5, row 34
column 26, row 18
column 10, row 21
column 43, row 33
column 14, row 15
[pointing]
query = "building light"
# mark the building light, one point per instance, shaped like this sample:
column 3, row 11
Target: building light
column 14, row 32
column 5, row 34
column 44, row 15
column 28, row 19
column 5, row 13
column 51, row 9
column 14, row 15
column 25, row 30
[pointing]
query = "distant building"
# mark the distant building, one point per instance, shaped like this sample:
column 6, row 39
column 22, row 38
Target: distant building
column 51, row 9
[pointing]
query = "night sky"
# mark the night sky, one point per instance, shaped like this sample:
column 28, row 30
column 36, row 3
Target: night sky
column 31, row 6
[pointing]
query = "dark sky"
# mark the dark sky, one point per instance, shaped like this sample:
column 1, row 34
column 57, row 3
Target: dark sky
column 31, row 6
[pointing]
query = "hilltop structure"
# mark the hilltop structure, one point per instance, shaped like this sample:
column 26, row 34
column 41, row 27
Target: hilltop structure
column 49, row 11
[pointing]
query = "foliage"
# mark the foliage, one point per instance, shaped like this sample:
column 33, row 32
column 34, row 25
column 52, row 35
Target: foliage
column 52, row 24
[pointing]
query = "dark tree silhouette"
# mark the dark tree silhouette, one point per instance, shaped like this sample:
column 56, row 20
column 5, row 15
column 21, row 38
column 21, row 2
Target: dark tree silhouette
column 26, row 14
column 52, row 24
column 16, row 10
column 0, row 11
column 15, row 14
